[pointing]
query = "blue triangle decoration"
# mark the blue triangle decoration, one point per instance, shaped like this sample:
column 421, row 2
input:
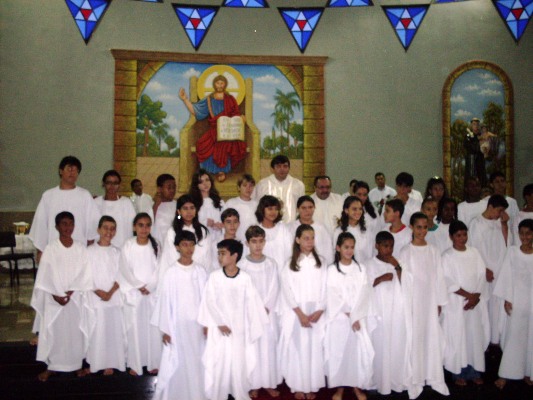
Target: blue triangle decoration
column 87, row 14
column 405, row 21
column 246, row 3
column 516, row 15
column 447, row 1
column 349, row 3
column 301, row 23
column 196, row 21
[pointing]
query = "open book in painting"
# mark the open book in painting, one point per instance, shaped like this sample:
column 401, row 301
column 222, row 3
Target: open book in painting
column 230, row 128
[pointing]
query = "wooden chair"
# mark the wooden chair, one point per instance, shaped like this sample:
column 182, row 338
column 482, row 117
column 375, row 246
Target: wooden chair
column 7, row 239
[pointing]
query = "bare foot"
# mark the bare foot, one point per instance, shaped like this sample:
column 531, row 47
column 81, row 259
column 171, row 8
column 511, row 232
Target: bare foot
column 359, row 394
column 310, row 396
column 109, row 371
column 528, row 381
column 273, row 392
column 82, row 372
column 500, row 383
column 478, row 381
column 338, row 394
column 132, row 372
column 43, row 376
column 34, row 341
column 253, row 394
column 154, row 371
column 460, row 382
column 299, row 396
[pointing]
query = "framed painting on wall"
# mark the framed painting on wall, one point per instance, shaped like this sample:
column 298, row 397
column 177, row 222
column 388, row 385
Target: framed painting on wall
column 168, row 119
column 477, row 125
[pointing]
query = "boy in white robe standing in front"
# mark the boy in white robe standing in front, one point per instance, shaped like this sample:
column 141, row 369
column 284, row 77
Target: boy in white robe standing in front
column 235, row 316
column 59, row 299
column 181, row 373
column 164, row 210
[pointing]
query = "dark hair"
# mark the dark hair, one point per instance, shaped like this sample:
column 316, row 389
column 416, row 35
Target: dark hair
column 384, row 236
column 436, row 180
column 456, row 226
column 245, row 178
column 496, row 174
column 296, row 251
column 232, row 245
column 153, row 242
column 345, row 220
column 526, row 223
column 70, row 160
column 161, row 179
column 229, row 212
column 64, row 215
column 340, row 240
column 429, row 199
column 396, row 205
column 280, row 159
column 405, row 179
column 369, row 208
column 527, row 190
column 379, row 174
column 109, row 173
column 497, row 200
column 416, row 216
column 197, row 195
column 199, row 229
column 442, row 203
column 317, row 178
column 267, row 201
column 134, row 182
column 303, row 199
column 187, row 236
column 106, row 218
column 254, row 231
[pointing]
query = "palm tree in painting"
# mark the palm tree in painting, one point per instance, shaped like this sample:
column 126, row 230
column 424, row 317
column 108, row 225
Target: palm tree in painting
column 285, row 104
column 280, row 121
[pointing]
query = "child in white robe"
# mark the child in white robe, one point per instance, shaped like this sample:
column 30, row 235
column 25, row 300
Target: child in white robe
column 164, row 211
column 465, row 319
column 515, row 286
column 244, row 204
column 181, row 373
column 437, row 234
column 59, row 299
column 429, row 295
column 264, row 273
column 392, row 298
column 230, row 224
column 303, row 284
column 348, row 350
column 207, row 200
column 235, row 317
column 107, row 335
column 524, row 213
column 138, row 282
column 393, row 215
column 446, row 214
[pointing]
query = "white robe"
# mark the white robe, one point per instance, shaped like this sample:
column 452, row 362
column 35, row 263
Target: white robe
column 181, row 373
column 138, row 268
column 467, row 332
column 515, row 285
column 392, row 338
column 402, row 238
column 440, row 237
column 323, row 240
column 278, row 243
column 63, row 330
column 123, row 212
column 143, row 203
column 519, row 217
column 229, row 361
column 410, row 207
column 107, row 333
column 288, row 191
column 466, row 212
column 376, row 195
column 429, row 292
column 163, row 220
column 246, row 210
column 328, row 212
column 364, row 242
column 301, row 349
column 79, row 202
column 487, row 236
column 349, row 354
column 264, row 276
column 208, row 211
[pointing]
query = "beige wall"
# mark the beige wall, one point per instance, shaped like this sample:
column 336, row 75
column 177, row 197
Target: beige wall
column 383, row 105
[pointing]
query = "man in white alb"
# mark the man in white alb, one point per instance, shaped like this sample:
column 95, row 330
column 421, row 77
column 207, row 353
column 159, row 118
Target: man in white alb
column 328, row 206
column 380, row 194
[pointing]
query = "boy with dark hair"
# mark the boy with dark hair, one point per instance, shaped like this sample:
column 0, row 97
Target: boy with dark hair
column 142, row 202
column 164, row 206
column 393, row 215
column 525, row 213
column 230, row 221
column 472, row 206
column 235, row 316
column 498, row 185
column 404, row 186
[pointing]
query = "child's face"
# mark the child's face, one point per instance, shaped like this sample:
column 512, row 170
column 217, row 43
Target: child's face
column 168, row 190
column 204, row 184
column 420, row 229
column 346, row 249
column 306, row 241
column 225, row 258
column 107, row 231
column 389, row 215
column 185, row 248
column 138, row 188
column 111, row 186
column 306, row 210
column 69, row 174
column 65, row 228
column 231, row 224
column 187, row 212
column 526, row 236
column 380, row 181
column 430, row 209
column 354, row 211
column 385, row 248
column 437, row 191
column 499, row 185
column 142, row 228
column 529, row 199
column 362, row 193
column 256, row 245
column 473, row 188
column 246, row 189
column 459, row 240
column 271, row 213
column 448, row 212
column 494, row 212
column 403, row 190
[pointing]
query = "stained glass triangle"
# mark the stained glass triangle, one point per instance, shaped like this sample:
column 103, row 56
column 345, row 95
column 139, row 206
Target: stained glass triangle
column 516, row 15
column 406, row 21
column 87, row 14
column 301, row 23
column 246, row 3
column 196, row 21
column 349, row 3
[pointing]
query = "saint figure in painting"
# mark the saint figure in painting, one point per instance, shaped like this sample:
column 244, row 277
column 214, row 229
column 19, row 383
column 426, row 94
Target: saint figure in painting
column 214, row 155
column 474, row 158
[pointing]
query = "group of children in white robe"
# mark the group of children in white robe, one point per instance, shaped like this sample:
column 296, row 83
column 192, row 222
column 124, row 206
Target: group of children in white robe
column 247, row 323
